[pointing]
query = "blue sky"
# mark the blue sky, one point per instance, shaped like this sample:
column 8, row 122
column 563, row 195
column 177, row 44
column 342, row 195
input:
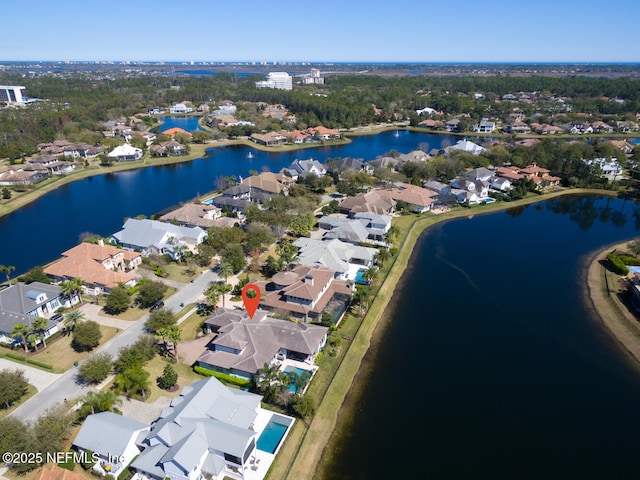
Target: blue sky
column 326, row 31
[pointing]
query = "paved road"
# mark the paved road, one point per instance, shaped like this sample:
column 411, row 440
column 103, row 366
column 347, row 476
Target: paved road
column 67, row 385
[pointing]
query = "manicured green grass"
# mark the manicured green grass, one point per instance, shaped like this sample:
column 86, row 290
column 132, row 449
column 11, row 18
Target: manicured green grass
column 61, row 355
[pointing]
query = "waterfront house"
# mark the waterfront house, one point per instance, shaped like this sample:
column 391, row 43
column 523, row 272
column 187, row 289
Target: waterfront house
column 52, row 164
column 519, row 128
column 209, row 431
column 180, row 108
column 323, row 133
column 348, row 164
column 469, row 191
column 484, row 126
column 269, row 183
column 113, row 438
column 306, row 292
column 342, row 228
column 342, row 257
column 270, row 139
column 482, row 174
column 126, row 152
column 416, row 198
column 371, row 201
column 452, row 125
column 302, row 168
column 16, row 175
column 152, row 237
column 243, row 345
column 465, row 146
column 608, row 168
column 198, row 215
column 101, row 267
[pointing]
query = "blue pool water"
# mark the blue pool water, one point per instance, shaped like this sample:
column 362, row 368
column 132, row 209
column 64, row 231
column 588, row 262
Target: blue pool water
column 360, row 277
column 271, row 437
column 296, row 370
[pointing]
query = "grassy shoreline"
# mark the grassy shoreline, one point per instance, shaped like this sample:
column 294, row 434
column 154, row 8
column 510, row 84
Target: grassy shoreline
column 329, row 415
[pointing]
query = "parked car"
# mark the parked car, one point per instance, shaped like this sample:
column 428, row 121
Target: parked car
column 56, row 318
column 157, row 305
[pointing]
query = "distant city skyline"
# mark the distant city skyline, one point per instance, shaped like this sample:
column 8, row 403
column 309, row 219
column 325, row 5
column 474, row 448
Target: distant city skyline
column 408, row 31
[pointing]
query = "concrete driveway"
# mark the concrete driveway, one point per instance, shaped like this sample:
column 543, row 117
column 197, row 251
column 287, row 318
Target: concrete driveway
column 36, row 377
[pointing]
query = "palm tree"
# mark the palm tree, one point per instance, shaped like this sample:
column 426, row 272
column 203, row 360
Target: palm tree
column 72, row 320
column 21, row 330
column 383, row 254
column 7, row 269
column 270, row 379
column 71, row 287
column 40, row 327
column 174, row 334
column 392, row 233
column 161, row 336
column 96, row 402
column 370, row 274
column 225, row 270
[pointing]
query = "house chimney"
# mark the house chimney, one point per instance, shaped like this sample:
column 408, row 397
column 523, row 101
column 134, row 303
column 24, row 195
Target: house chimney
column 308, row 279
column 101, row 242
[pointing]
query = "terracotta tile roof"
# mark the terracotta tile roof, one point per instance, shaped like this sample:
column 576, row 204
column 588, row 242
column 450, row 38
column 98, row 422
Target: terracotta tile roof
column 54, row 472
column 85, row 261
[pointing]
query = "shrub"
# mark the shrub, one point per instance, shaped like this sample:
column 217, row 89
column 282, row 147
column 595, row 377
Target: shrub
column 617, row 266
column 39, row 364
column 628, row 260
column 96, row 367
column 223, row 377
column 86, row 336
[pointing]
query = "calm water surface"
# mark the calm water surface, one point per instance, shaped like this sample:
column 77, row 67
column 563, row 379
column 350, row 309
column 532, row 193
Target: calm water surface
column 40, row 232
column 492, row 366
column 189, row 124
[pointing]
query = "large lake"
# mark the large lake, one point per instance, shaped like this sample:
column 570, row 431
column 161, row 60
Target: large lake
column 492, row 365
column 40, row 232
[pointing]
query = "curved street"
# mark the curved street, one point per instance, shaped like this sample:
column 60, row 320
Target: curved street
column 68, row 386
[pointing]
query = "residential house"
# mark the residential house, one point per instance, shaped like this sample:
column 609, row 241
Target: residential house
column 270, row 139
column 452, row 125
column 306, row 292
column 126, row 152
column 627, row 126
column 113, row 438
column 168, row 149
column 622, row 145
column 430, row 123
column 540, row 176
column 155, row 111
column 484, row 126
column 500, row 183
column 416, row 198
column 209, row 431
column 601, row 127
column 243, row 345
column 22, row 303
column 519, row 128
column 101, row 267
column 426, row 111
column 608, row 168
column 302, row 168
column 551, row 130
column 465, row 146
column 152, row 237
column 180, row 108
column 371, row 201
column 342, row 228
column 414, row 156
column 579, row 128
column 198, row 215
column 82, row 150
column 342, row 257
column 53, row 164
column 268, row 182
column 340, row 165
column 482, row 174
column 323, row 133
column 17, row 175
column 469, row 191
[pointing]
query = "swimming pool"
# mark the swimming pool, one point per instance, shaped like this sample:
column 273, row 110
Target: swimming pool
column 271, row 436
column 360, row 277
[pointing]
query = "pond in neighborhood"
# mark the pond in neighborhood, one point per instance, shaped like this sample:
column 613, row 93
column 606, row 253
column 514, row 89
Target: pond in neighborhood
column 189, row 124
column 491, row 365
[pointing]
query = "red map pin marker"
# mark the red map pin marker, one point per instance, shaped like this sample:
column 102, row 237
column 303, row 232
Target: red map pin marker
column 251, row 303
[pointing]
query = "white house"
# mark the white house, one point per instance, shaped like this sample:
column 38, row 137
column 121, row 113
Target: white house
column 302, row 168
column 126, row 152
column 180, row 108
column 113, row 438
column 158, row 238
column 609, row 168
